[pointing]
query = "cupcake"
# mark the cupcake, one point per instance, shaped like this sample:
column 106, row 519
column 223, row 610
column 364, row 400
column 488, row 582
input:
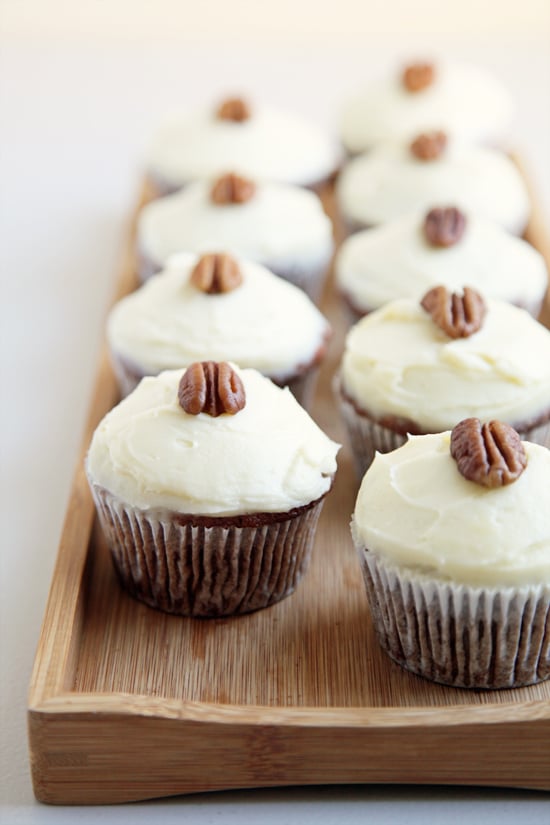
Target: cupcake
column 280, row 226
column 398, row 178
column 463, row 100
column 255, row 140
column 420, row 367
column 453, row 535
column 407, row 256
column 217, row 308
column 208, row 485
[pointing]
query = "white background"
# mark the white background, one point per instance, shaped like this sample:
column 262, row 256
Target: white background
column 82, row 85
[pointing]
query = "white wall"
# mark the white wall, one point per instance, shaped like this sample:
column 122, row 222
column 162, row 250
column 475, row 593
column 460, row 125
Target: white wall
column 279, row 21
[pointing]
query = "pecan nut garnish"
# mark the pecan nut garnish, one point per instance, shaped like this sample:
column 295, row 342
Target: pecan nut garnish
column 232, row 188
column 459, row 316
column 444, row 227
column 215, row 273
column 429, row 145
column 418, row 76
column 233, row 108
column 211, row 387
column 489, row 454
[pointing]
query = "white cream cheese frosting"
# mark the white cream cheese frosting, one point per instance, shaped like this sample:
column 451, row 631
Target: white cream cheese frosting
column 265, row 322
column 281, row 226
column 395, row 260
column 269, row 145
column 398, row 362
column 416, row 510
column 268, row 457
column 390, row 182
column 463, row 100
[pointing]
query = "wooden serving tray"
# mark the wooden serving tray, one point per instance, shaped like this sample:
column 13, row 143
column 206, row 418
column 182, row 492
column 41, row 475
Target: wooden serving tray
column 127, row 703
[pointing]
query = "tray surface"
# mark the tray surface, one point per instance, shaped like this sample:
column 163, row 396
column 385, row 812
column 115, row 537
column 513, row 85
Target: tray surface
column 128, row 703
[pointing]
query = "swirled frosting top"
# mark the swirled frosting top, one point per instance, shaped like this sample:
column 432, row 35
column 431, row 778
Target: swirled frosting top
column 394, row 260
column 281, row 226
column 397, row 361
column 265, row 322
column 269, row 145
column 415, row 510
column 268, row 457
column 463, row 100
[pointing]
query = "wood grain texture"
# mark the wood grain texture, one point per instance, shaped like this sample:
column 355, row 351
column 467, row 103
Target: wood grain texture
column 127, row 703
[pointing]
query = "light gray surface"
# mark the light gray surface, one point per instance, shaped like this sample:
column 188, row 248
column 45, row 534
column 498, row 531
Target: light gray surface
column 74, row 120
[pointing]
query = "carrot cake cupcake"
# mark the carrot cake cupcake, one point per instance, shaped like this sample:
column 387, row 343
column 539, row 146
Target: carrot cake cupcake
column 407, row 256
column 420, row 367
column 215, row 307
column 463, row 100
column 208, row 484
column 254, row 140
column 280, row 226
column 453, row 535
column 398, row 178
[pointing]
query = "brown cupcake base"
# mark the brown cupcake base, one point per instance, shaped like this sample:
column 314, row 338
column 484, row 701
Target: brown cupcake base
column 204, row 566
column 368, row 434
column 459, row 635
column 301, row 382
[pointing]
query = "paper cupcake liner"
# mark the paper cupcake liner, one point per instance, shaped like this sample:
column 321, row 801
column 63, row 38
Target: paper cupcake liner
column 538, row 434
column 533, row 307
column 146, row 266
column 349, row 224
column 192, row 566
column 459, row 635
column 127, row 375
column 310, row 280
column 367, row 436
column 302, row 385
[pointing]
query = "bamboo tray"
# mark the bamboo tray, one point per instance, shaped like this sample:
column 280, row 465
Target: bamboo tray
column 127, row 703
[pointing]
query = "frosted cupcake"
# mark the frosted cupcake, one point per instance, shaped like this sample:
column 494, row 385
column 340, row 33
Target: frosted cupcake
column 208, row 485
column 395, row 179
column 217, row 308
column 453, row 535
column 407, row 256
column 280, row 226
column 463, row 100
column 254, row 140
column 420, row 367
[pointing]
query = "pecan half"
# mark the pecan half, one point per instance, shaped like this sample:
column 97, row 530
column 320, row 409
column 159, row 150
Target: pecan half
column 233, row 108
column 232, row 188
column 211, row 387
column 489, row 454
column 429, row 145
column 418, row 76
column 459, row 316
column 215, row 273
column 444, row 227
